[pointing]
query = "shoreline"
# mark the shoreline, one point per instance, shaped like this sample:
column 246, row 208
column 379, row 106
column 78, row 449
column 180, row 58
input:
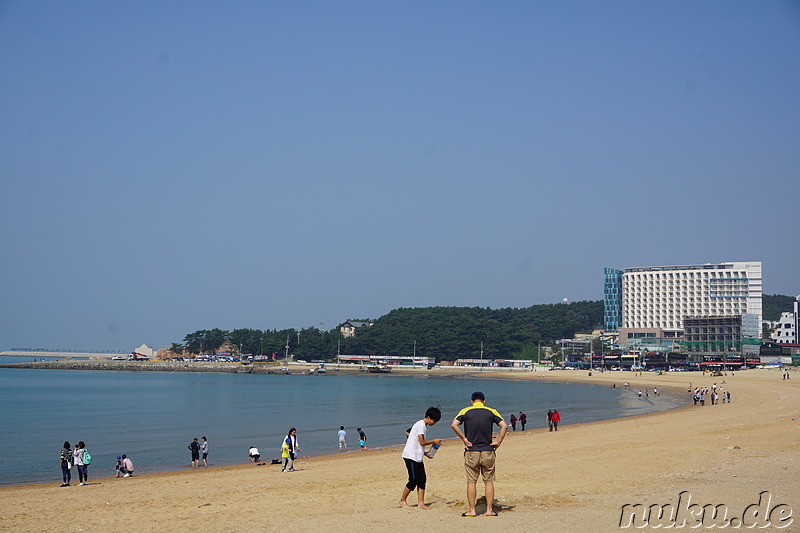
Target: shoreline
column 459, row 373
column 574, row 479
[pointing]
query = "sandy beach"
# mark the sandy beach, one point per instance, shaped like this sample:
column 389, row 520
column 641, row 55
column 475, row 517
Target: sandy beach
column 576, row 479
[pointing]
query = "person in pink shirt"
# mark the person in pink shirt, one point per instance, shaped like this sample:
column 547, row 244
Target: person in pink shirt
column 127, row 466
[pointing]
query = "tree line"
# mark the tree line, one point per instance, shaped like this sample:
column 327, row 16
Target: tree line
column 443, row 333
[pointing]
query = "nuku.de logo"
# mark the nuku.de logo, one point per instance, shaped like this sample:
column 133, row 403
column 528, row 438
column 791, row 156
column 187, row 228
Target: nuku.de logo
column 691, row 515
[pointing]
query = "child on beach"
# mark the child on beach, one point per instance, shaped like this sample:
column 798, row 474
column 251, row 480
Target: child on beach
column 118, row 466
column 286, row 456
column 413, row 453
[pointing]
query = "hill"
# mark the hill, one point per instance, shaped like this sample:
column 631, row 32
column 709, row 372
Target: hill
column 772, row 305
column 441, row 332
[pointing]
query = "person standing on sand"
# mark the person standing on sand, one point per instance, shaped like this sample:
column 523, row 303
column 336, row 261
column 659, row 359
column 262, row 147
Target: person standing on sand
column 342, row 439
column 550, row 419
column 66, row 464
column 413, row 453
column 513, row 420
column 204, row 449
column 556, row 419
column 523, row 420
column 480, row 451
column 291, row 436
column 83, row 472
column 194, row 447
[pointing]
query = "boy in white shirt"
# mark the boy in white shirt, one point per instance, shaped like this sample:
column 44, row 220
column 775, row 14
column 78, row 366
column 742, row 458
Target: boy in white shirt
column 413, row 453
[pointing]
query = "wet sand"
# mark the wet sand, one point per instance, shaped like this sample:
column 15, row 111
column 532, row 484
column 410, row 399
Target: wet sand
column 576, row 479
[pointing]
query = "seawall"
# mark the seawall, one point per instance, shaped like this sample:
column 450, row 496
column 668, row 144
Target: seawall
column 148, row 366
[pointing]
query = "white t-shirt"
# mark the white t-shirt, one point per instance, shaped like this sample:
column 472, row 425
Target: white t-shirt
column 413, row 449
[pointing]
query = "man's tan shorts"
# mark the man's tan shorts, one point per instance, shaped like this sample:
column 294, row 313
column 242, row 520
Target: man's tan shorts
column 479, row 463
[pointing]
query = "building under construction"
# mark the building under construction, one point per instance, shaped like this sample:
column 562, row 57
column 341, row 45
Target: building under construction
column 734, row 335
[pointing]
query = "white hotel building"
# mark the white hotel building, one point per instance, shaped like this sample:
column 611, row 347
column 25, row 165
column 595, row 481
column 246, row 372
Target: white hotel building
column 653, row 301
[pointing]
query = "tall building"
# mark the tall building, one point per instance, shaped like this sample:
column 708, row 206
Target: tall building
column 612, row 299
column 656, row 300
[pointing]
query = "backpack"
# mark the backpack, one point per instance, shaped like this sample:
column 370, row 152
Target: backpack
column 87, row 459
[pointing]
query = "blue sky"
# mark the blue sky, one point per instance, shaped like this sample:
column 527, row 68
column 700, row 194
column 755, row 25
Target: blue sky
column 175, row 166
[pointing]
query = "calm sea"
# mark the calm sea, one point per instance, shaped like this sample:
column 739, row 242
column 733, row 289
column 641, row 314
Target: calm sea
column 152, row 416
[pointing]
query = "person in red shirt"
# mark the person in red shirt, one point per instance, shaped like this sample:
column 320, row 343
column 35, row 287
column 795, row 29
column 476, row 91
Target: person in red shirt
column 556, row 419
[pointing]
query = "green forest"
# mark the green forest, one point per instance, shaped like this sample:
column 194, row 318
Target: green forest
column 772, row 305
column 444, row 333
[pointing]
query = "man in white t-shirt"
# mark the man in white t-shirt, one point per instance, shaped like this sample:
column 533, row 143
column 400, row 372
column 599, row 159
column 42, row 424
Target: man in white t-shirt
column 254, row 455
column 413, row 453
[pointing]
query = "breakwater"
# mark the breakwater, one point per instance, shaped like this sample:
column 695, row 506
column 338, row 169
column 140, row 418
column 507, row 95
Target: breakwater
column 150, row 366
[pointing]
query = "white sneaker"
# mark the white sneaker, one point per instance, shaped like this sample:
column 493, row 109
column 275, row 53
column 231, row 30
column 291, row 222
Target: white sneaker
column 127, row 475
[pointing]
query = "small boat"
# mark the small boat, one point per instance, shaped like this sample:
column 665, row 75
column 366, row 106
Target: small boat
column 379, row 369
column 310, row 371
column 322, row 370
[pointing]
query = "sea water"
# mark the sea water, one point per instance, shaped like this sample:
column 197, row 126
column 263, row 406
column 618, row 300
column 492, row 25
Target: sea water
column 153, row 416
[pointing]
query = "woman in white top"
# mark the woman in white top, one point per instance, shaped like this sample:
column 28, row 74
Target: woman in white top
column 83, row 474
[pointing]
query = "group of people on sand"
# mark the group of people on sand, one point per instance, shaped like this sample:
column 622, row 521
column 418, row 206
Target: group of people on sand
column 197, row 448
column 342, row 438
column 523, row 419
column 474, row 425
column 288, row 449
column 553, row 418
column 714, row 395
column 79, row 459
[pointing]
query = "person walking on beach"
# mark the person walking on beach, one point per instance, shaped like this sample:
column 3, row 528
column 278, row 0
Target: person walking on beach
column 480, row 451
column 66, row 464
column 412, row 456
column 550, row 419
column 291, row 436
column 204, row 450
column 513, row 420
column 194, row 447
column 342, row 439
column 362, row 439
column 81, row 459
column 286, row 456
column 523, row 419
column 556, row 419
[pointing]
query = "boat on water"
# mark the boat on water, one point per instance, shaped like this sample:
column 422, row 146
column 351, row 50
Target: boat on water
column 379, row 369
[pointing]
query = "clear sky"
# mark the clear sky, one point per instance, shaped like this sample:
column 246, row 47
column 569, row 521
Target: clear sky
column 173, row 166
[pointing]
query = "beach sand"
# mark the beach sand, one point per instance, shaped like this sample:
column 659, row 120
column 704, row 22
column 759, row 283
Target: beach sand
column 576, row 479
